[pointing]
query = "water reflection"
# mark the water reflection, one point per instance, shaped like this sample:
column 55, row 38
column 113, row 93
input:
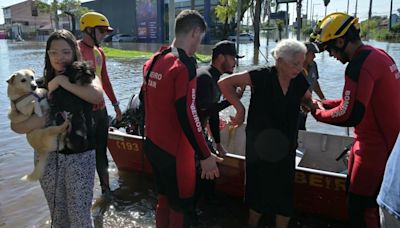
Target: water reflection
column 132, row 203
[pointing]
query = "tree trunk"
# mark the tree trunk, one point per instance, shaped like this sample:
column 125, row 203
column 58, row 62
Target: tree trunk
column 56, row 18
column 226, row 29
column 257, row 16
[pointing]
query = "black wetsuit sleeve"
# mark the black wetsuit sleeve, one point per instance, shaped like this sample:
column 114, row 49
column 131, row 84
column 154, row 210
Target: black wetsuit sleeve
column 203, row 93
column 214, row 127
column 185, row 92
column 204, row 99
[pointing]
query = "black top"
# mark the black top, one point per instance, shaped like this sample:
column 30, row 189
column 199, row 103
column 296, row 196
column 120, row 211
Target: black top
column 270, row 108
column 208, row 99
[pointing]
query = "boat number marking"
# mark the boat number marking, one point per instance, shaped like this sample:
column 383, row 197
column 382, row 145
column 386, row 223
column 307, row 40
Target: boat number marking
column 319, row 181
column 127, row 146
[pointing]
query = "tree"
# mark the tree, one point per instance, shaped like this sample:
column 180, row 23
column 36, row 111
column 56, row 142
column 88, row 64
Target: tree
column 71, row 8
column 226, row 12
column 280, row 24
column 256, row 24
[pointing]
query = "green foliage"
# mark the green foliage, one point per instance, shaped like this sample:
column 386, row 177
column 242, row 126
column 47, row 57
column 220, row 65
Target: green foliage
column 225, row 13
column 70, row 6
column 396, row 28
column 280, row 24
column 373, row 29
column 226, row 10
column 306, row 31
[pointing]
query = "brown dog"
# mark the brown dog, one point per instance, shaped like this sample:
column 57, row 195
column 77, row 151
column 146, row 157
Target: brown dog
column 26, row 100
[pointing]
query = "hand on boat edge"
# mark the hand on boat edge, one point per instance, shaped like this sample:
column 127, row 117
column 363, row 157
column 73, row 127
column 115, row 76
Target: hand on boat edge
column 209, row 168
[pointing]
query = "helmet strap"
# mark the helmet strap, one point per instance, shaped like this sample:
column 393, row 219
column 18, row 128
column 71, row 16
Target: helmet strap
column 92, row 35
column 342, row 49
column 346, row 42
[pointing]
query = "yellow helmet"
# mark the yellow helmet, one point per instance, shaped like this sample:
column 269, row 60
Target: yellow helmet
column 94, row 19
column 333, row 26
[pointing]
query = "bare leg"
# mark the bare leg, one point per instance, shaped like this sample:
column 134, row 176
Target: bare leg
column 282, row 221
column 254, row 218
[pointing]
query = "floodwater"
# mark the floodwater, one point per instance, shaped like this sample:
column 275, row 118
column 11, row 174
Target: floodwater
column 22, row 204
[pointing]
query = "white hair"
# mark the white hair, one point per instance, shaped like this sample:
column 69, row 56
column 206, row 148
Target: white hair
column 286, row 49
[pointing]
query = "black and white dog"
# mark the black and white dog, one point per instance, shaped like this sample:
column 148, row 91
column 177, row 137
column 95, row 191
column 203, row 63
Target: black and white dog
column 80, row 116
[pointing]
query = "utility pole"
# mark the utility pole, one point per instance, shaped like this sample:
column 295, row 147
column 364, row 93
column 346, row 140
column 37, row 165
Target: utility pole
column 287, row 20
column 355, row 12
column 299, row 21
column 311, row 13
column 171, row 19
column 192, row 4
column 307, row 11
column 390, row 15
column 348, row 2
column 238, row 28
column 370, row 10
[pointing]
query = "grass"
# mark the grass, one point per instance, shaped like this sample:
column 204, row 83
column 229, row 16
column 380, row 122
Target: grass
column 118, row 53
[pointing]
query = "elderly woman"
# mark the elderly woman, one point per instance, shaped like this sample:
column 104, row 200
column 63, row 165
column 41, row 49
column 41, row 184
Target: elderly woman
column 271, row 133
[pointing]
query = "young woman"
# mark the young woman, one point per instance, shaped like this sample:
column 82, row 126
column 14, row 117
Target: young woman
column 68, row 179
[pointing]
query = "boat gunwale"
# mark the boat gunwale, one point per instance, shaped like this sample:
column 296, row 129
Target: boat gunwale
column 119, row 133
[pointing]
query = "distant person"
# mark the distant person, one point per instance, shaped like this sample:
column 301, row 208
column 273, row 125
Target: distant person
column 208, row 95
column 209, row 103
column 369, row 103
column 310, row 71
column 94, row 26
column 173, row 130
column 68, row 179
column 389, row 195
column 271, row 131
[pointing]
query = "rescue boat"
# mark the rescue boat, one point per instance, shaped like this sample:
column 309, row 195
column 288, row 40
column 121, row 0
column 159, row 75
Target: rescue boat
column 319, row 178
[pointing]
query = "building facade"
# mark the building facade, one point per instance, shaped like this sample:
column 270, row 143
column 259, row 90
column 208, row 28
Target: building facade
column 25, row 20
column 147, row 20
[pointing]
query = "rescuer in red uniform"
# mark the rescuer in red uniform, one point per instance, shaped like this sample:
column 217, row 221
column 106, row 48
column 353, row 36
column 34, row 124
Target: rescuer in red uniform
column 173, row 129
column 369, row 103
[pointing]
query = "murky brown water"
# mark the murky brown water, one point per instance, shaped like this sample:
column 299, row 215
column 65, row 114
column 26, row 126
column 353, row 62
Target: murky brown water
column 22, row 204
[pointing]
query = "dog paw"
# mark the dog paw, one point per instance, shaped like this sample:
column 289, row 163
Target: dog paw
column 29, row 178
column 66, row 115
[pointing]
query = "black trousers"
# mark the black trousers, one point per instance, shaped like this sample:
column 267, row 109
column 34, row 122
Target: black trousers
column 101, row 133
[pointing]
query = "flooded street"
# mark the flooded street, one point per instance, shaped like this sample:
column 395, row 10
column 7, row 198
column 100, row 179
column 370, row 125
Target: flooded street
column 22, row 204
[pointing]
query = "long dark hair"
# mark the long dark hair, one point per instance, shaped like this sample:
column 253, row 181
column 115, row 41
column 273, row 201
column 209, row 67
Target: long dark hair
column 49, row 72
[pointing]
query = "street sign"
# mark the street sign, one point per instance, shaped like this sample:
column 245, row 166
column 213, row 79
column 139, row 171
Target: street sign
column 281, row 15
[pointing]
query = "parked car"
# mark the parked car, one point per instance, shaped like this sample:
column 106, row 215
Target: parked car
column 123, row 38
column 243, row 37
column 108, row 37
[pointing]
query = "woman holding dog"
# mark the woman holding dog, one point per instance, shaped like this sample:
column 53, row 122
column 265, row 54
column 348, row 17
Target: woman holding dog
column 68, row 179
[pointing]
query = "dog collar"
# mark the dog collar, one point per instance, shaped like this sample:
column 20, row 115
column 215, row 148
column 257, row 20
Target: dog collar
column 19, row 99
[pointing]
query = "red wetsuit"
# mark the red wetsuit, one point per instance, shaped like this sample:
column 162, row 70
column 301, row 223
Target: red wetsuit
column 97, row 59
column 370, row 103
column 172, row 123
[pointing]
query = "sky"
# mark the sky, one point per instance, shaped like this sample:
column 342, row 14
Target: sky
column 379, row 7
